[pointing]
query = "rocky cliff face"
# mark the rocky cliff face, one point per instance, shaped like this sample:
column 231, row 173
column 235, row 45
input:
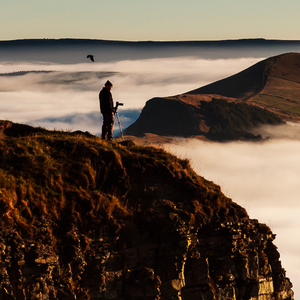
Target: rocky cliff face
column 83, row 219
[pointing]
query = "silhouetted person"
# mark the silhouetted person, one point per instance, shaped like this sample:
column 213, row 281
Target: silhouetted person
column 91, row 57
column 107, row 110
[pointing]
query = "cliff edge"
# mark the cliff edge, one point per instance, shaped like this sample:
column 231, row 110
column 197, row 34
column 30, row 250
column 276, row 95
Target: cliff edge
column 86, row 219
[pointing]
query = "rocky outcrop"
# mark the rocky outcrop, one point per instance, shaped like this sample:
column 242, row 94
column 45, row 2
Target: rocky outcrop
column 83, row 219
column 229, row 261
column 221, row 263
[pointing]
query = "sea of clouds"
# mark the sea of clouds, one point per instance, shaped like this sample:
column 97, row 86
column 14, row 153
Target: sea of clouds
column 66, row 96
column 262, row 177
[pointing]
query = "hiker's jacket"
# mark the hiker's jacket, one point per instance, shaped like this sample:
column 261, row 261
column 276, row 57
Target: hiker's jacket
column 106, row 101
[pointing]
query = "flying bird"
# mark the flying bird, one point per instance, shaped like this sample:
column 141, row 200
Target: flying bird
column 91, row 57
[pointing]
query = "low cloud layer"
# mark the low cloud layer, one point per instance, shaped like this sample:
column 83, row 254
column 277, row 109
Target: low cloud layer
column 91, row 122
column 263, row 178
column 73, row 88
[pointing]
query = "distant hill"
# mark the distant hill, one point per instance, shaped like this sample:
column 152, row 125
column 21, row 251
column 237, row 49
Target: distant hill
column 265, row 93
column 76, row 50
column 273, row 83
column 74, row 42
column 85, row 219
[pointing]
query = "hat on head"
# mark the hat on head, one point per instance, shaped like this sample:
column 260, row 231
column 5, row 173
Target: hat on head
column 108, row 83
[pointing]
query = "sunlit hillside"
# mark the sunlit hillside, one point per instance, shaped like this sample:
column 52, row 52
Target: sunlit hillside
column 273, row 83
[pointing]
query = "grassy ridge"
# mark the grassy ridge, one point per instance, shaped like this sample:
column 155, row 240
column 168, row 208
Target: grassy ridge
column 69, row 179
column 273, row 83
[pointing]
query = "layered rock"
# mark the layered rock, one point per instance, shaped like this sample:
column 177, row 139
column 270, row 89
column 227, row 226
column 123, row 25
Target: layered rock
column 228, row 261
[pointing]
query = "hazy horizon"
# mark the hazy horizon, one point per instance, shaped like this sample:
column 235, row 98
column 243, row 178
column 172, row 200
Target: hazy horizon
column 150, row 20
column 61, row 92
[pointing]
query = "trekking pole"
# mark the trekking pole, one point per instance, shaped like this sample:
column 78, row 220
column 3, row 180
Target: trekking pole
column 116, row 112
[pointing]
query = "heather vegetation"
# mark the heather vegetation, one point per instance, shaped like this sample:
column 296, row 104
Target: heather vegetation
column 233, row 121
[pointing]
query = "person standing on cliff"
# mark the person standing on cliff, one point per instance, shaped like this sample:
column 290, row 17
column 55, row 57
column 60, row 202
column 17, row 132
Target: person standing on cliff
column 107, row 110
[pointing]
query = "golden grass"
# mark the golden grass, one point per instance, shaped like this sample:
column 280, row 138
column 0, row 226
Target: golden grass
column 67, row 180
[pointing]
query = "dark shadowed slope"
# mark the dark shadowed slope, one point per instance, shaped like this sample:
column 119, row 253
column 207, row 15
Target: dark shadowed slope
column 242, row 85
column 166, row 116
column 210, row 117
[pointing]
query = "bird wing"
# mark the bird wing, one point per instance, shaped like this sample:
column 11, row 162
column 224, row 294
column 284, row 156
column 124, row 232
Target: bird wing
column 91, row 57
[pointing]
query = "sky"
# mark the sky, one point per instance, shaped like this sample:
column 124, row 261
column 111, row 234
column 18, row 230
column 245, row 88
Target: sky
column 134, row 20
